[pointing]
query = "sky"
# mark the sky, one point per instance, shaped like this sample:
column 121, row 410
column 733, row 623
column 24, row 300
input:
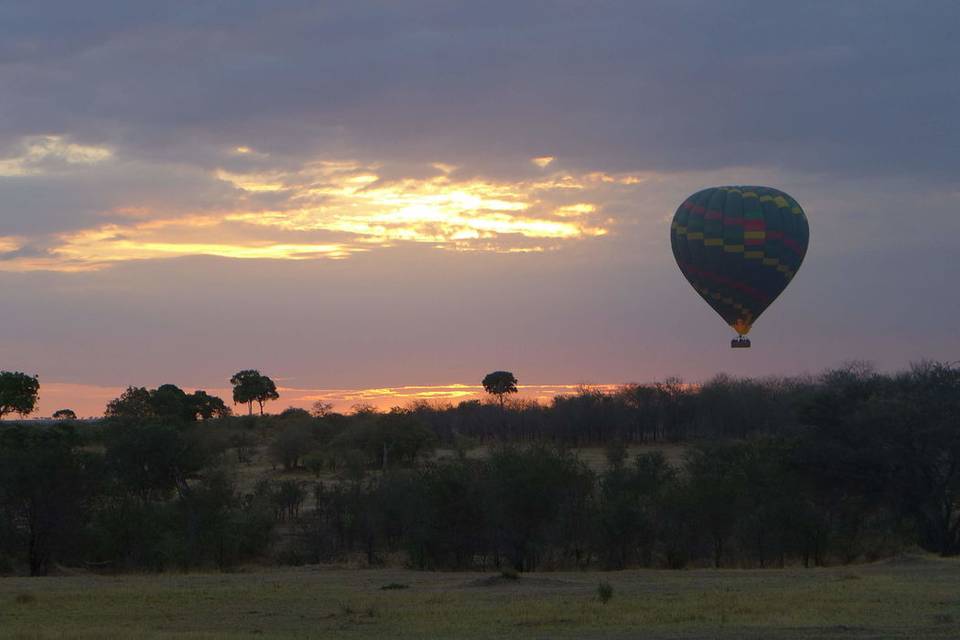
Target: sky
column 379, row 201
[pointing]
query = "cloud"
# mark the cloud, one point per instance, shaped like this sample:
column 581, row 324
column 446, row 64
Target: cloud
column 332, row 209
column 39, row 155
column 179, row 91
column 9, row 245
column 852, row 91
column 359, row 193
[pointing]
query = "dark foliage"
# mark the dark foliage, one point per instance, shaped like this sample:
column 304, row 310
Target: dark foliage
column 167, row 402
column 18, row 393
column 849, row 466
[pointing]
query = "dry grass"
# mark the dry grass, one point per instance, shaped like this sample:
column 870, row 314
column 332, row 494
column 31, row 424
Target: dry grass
column 913, row 599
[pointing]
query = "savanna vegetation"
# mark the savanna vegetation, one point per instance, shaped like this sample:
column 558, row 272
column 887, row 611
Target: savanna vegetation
column 848, row 466
column 911, row 597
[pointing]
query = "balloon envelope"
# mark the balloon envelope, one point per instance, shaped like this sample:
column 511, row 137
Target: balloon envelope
column 739, row 247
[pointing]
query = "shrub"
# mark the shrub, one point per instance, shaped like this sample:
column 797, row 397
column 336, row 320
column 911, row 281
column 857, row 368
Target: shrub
column 604, row 592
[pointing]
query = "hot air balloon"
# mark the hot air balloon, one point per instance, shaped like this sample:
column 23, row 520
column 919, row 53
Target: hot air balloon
column 739, row 247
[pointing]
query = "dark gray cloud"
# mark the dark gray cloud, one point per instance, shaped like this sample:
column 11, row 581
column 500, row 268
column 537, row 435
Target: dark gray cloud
column 842, row 88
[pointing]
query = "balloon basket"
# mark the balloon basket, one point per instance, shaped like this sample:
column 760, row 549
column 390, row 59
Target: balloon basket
column 740, row 343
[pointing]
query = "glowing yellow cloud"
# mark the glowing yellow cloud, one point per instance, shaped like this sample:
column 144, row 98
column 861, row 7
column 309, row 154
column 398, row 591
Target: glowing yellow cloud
column 112, row 243
column 574, row 210
column 36, row 151
column 386, row 397
column 350, row 198
column 542, row 161
column 330, row 209
column 251, row 181
column 90, row 400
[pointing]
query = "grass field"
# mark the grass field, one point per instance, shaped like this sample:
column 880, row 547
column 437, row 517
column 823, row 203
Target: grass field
column 911, row 597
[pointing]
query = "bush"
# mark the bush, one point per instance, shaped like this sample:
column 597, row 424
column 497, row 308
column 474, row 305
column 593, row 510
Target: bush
column 292, row 443
column 604, row 592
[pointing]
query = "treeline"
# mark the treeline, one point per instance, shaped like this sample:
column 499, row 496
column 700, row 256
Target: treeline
column 851, row 465
column 667, row 411
column 870, row 464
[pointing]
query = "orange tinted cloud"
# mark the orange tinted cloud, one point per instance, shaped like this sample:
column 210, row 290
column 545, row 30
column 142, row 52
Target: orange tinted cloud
column 332, row 209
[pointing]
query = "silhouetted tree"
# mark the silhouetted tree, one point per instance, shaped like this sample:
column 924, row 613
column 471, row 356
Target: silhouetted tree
column 134, row 403
column 630, row 509
column 718, row 492
column 849, row 465
column 250, row 386
column 447, row 520
column 47, row 484
column 168, row 402
column 295, row 413
column 64, row 414
column 154, row 459
column 499, row 384
column 18, row 393
column 362, row 409
column 206, row 406
column 923, row 420
column 397, row 438
column 524, row 494
column 321, row 409
column 172, row 403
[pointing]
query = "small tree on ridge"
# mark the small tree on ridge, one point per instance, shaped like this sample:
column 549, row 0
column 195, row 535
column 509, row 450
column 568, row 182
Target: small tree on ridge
column 499, row 384
column 250, row 386
column 18, row 393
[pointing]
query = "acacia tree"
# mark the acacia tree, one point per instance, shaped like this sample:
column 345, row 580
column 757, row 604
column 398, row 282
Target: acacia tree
column 168, row 402
column 250, row 386
column 206, row 406
column 135, row 402
column 321, row 409
column 18, row 393
column 499, row 384
column 64, row 414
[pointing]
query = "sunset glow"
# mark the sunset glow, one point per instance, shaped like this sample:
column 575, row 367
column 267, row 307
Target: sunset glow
column 89, row 400
column 356, row 197
column 332, row 209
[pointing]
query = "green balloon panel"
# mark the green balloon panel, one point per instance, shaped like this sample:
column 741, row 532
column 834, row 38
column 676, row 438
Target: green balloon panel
column 739, row 247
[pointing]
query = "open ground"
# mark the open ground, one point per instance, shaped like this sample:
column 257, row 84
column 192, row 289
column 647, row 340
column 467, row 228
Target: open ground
column 914, row 596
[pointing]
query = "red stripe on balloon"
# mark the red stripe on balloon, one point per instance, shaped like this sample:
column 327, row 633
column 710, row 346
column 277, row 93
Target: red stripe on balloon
column 749, row 225
column 793, row 244
column 788, row 242
column 716, row 277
